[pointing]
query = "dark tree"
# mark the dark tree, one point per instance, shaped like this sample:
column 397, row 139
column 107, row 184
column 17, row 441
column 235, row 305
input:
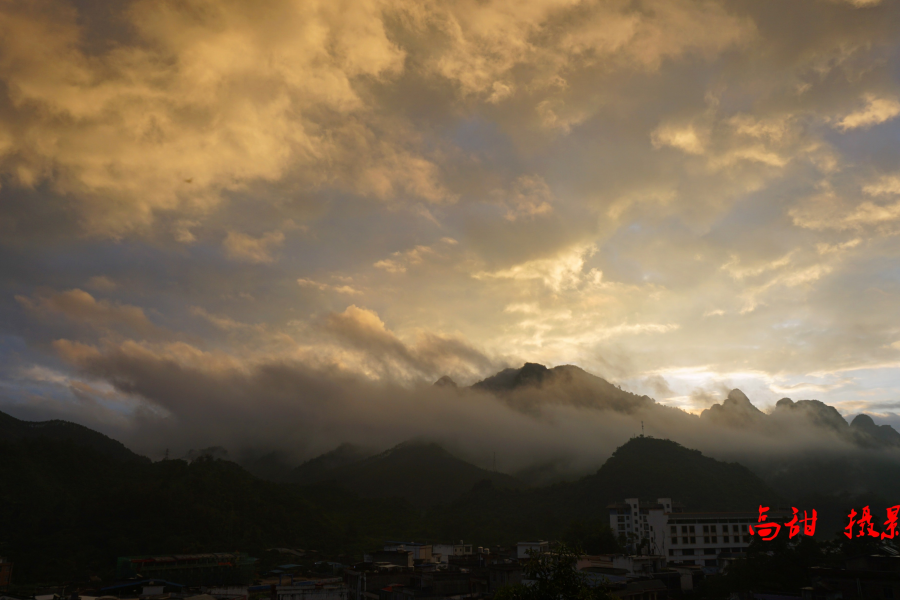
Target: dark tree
column 554, row 578
column 592, row 536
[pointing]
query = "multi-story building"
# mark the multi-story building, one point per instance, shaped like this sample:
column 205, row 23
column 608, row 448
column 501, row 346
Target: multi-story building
column 699, row 538
column 642, row 524
column 686, row 538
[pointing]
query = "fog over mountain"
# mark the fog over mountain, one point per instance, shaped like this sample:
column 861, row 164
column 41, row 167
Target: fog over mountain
column 554, row 423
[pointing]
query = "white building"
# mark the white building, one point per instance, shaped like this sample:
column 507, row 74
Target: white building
column 641, row 523
column 443, row 552
column 538, row 547
column 684, row 538
column 699, row 538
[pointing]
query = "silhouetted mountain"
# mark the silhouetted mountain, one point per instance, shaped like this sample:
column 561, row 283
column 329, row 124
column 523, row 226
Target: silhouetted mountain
column 815, row 412
column 70, row 510
column 653, row 468
column 445, row 381
column 736, row 410
column 322, row 468
column 644, row 467
column 272, row 466
column 424, row 474
column 885, row 434
column 13, row 430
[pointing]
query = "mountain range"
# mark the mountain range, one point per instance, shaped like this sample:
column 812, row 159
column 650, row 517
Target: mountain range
column 73, row 499
column 71, row 505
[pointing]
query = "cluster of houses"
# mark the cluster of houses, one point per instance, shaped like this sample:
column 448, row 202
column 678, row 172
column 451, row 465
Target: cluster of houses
column 421, row 571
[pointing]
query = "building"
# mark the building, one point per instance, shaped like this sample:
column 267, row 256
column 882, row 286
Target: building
column 706, row 539
column 221, row 568
column 642, row 524
column 372, row 579
column 437, row 584
column 421, row 552
column 445, row 551
column 876, row 577
column 5, row 573
column 134, row 588
column 399, row 558
column 323, row 589
column 525, row 549
column 631, row 565
column 649, row 589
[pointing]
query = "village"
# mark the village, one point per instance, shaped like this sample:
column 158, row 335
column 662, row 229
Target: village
column 668, row 554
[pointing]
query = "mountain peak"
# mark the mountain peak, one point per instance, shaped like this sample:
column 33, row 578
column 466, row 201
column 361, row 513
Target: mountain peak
column 863, row 421
column 445, row 381
column 739, row 397
column 531, row 373
column 735, row 410
column 867, row 431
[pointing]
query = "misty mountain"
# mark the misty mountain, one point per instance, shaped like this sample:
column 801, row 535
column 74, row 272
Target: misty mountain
column 534, row 385
column 70, row 510
column 14, row 430
column 565, row 384
column 424, row 474
column 737, row 411
column 644, row 467
column 324, row 466
column 864, row 426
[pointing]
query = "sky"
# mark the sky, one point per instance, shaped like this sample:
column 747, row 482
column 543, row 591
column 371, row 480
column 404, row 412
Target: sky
column 218, row 217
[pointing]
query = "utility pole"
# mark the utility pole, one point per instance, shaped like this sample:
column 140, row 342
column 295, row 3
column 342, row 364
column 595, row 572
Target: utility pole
column 642, row 429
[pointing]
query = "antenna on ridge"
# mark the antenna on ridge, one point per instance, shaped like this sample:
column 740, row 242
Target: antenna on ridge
column 642, row 429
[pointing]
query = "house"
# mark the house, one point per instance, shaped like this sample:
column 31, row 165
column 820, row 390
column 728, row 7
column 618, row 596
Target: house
column 219, row 568
column 421, row 552
column 874, row 576
column 398, row 557
column 644, row 589
column 525, row 549
column 369, row 579
column 445, row 551
column 323, row 589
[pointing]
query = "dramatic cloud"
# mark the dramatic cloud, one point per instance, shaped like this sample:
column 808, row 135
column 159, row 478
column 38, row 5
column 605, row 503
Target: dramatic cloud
column 308, row 211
